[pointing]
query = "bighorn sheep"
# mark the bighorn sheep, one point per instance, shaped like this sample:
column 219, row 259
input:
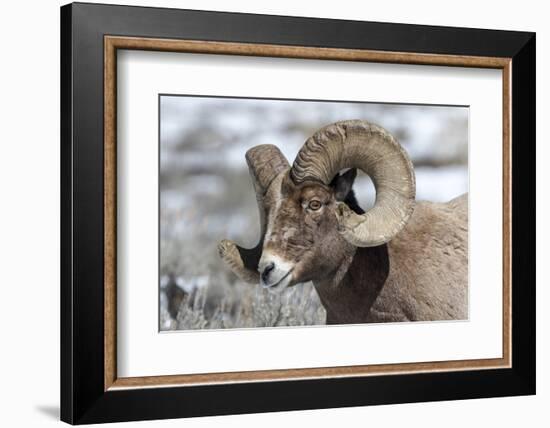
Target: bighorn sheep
column 399, row 261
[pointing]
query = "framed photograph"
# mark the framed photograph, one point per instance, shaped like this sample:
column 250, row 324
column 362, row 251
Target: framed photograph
column 265, row 213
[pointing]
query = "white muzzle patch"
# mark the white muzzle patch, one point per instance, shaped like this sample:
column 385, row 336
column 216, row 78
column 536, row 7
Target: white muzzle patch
column 275, row 272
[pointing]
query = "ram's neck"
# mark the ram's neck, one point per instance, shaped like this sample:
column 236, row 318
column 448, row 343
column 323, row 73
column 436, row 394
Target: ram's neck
column 349, row 293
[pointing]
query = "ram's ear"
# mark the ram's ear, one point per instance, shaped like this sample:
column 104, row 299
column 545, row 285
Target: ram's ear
column 342, row 184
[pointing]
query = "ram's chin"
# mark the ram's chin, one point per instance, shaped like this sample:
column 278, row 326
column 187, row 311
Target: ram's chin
column 280, row 286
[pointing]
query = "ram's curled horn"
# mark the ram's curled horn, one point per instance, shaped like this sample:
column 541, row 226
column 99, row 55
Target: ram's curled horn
column 360, row 144
column 265, row 162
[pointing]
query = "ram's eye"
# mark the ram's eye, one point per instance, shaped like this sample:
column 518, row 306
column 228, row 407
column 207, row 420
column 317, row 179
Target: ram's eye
column 314, row 205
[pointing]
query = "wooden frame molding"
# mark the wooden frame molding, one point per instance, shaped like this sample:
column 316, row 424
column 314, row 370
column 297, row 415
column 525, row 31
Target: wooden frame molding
column 113, row 43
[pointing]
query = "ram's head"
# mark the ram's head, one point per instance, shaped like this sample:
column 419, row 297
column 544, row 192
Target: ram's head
column 310, row 220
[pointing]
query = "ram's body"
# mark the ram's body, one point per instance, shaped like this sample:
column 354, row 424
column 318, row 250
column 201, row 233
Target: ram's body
column 420, row 275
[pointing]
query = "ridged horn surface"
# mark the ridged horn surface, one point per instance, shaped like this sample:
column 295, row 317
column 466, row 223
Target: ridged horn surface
column 369, row 147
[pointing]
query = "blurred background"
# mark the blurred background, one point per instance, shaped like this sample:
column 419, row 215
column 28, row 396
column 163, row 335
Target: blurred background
column 206, row 195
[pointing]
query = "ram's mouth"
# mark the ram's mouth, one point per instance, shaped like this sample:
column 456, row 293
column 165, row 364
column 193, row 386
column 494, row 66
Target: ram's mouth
column 281, row 284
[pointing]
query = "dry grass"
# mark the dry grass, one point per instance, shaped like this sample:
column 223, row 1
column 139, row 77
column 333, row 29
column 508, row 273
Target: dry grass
column 244, row 306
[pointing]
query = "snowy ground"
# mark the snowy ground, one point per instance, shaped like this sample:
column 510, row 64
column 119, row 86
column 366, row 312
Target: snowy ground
column 206, row 194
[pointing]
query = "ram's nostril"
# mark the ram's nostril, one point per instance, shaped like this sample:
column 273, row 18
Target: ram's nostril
column 267, row 270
